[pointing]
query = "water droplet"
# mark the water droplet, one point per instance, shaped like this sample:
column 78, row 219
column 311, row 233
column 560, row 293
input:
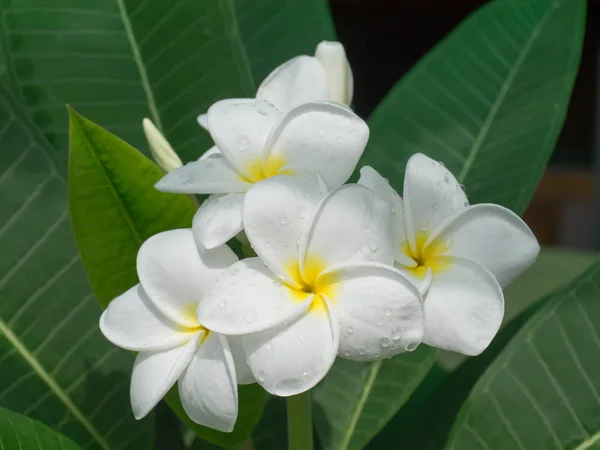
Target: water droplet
column 410, row 347
column 361, row 351
column 262, row 376
column 243, row 145
column 250, row 316
column 222, row 304
column 377, row 354
column 392, row 208
column 372, row 245
column 347, row 353
column 463, row 187
column 283, row 220
column 350, row 329
column 387, row 312
column 446, row 179
column 380, row 320
column 396, row 334
column 277, row 283
column 466, row 204
column 385, row 342
column 269, row 347
column 340, row 139
column 234, row 270
column 301, row 337
column 442, row 164
column 301, row 211
column 321, row 133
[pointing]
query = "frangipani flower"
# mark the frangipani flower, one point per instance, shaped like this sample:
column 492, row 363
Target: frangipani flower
column 471, row 253
column 323, row 284
column 257, row 141
column 303, row 79
column 157, row 319
column 161, row 150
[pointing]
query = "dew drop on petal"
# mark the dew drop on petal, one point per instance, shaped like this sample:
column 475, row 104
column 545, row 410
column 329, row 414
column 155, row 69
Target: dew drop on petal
column 269, row 347
column 250, row 315
column 372, row 245
column 243, row 144
column 361, row 351
column 300, row 337
column 377, row 354
column 347, row 353
column 385, row 342
column 463, row 187
column 283, row 220
column 277, row 282
column 442, row 164
column 234, row 270
column 222, row 304
column 466, row 204
column 396, row 334
column 410, row 347
column 262, row 376
column 301, row 211
column 446, row 179
column 350, row 329
column 321, row 133
column 387, row 312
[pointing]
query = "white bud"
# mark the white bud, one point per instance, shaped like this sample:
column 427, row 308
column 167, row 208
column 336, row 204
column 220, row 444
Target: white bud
column 161, row 150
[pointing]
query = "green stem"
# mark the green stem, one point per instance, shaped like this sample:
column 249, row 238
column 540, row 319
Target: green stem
column 299, row 418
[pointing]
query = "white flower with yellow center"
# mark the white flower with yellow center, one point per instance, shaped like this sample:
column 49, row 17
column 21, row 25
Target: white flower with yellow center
column 322, row 285
column 303, row 79
column 257, row 141
column 470, row 253
column 157, row 319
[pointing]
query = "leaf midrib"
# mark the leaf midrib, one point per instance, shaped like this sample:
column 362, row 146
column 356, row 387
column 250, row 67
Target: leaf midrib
column 52, row 384
column 506, row 86
column 360, row 405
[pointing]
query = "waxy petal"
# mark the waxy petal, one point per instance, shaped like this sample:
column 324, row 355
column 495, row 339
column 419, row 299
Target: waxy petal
column 493, row 236
column 319, row 136
column 211, row 175
column 154, row 373
column 293, row 358
column 175, row 275
column 240, row 128
column 431, row 196
column 351, row 224
column 300, row 80
column 218, row 219
column 277, row 211
column 211, row 153
column 248, row 298
column 202, row 120
column 161, row 150
column 208, row 388
column 242, row 370
column 132, row 322
column 463, row 307
column 380, row 311
column 340, row 84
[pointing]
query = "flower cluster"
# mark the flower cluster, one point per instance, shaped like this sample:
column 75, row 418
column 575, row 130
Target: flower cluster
column 352, row 270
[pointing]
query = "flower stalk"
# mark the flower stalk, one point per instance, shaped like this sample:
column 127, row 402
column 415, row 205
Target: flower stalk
column 299, row 418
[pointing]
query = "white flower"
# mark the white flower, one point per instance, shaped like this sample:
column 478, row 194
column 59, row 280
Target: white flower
column 157, row 319
column 323, row 285
column 472, row 252
column 161, row 150
column 257, row 141
column 303, row 79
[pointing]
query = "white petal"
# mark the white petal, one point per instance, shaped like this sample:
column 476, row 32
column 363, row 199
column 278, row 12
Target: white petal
column 210, row 153
column 211, row 175
column 161, row 150
column 207, row 389
column 154, row 373
column 240, row 128
column 421, row 277
column 132, row 322
column 370, row 178
column 339, row 76
column 431, row 196
column 320, row 136
column 493, row 236
column 300, row 80
column 202, row 120
column 175, row 275
column 218, row 219
column 380, row 311
column 292, row 359
column 242, row 370
column 351, row 224
column 277, row 211
column 248, row 298
column 463, row 307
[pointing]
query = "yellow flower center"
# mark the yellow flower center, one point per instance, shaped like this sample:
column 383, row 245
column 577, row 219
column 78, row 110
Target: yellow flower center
column 313, row 266
column 259, row 169
column 425, row 257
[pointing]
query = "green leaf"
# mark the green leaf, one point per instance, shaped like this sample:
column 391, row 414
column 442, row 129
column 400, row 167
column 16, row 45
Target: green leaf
column 119, row 61
column 56, row 366
column 114, row 209
column 356, row 400
column 554, row 269
column 17, row 431
column 489, row 101
column 543, row 391
column 114, row 206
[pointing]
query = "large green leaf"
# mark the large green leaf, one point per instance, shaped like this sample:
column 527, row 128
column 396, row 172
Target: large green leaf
column 489, row 101
column 356, row 400
column 20, row 432
column 118, row 61
column 543, row 391
column 55, row 365
column 114, row 209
